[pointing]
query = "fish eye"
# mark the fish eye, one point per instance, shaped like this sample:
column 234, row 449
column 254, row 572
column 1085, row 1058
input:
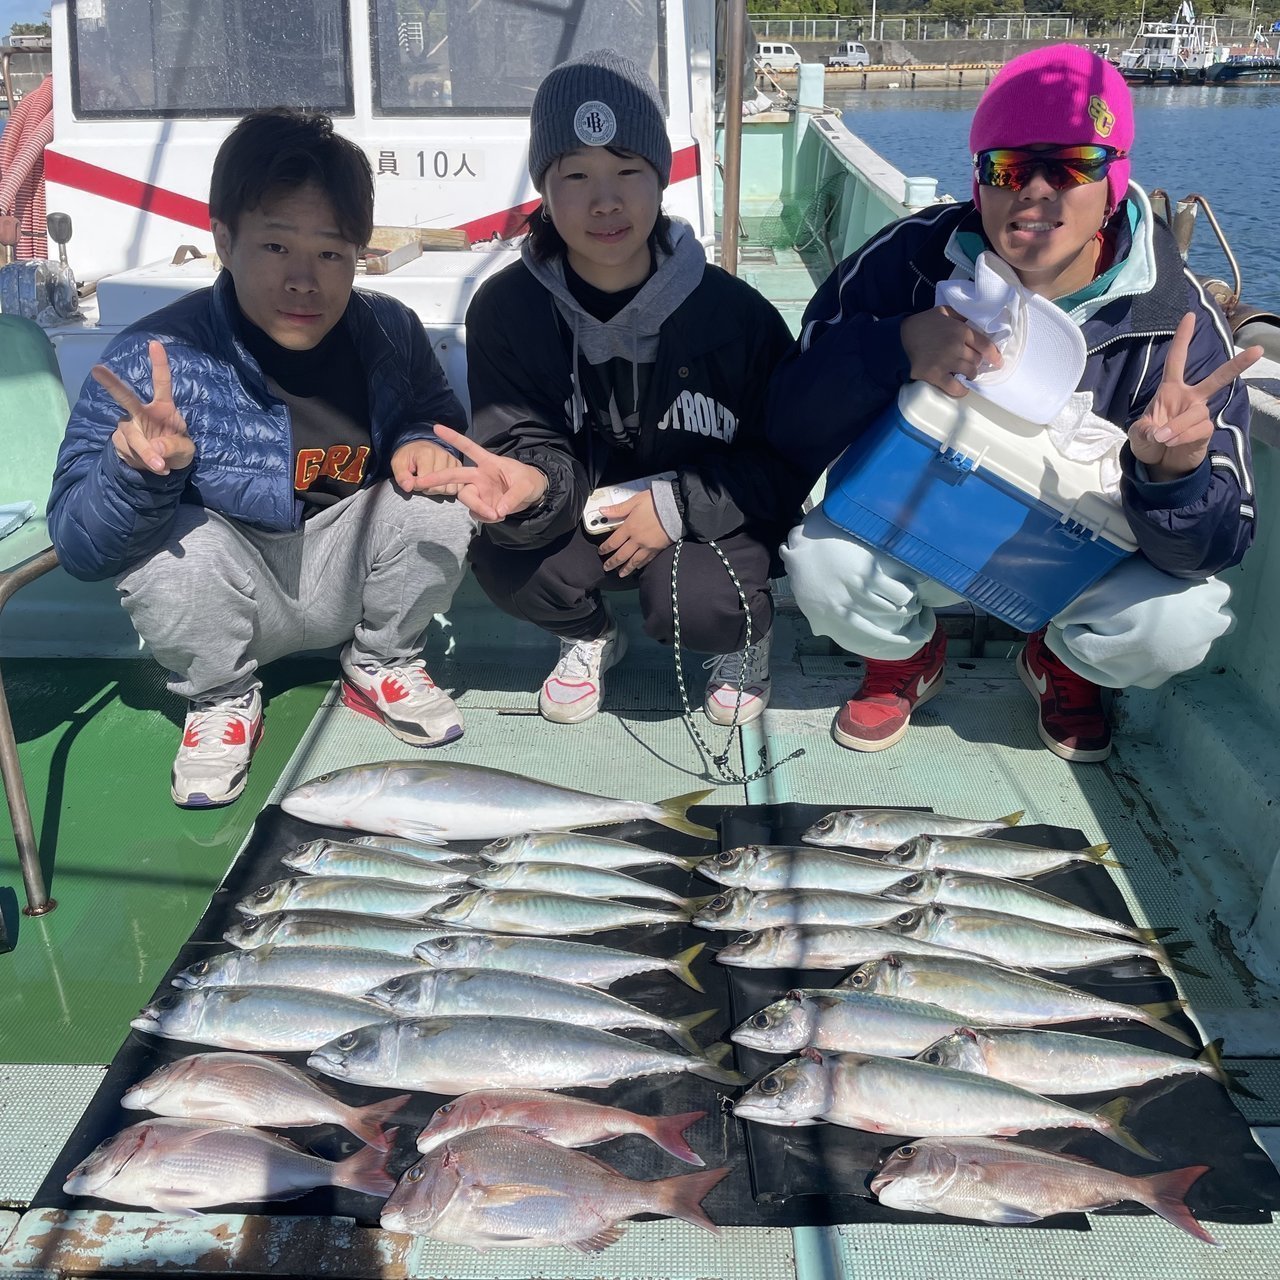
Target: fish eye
column 825, row 824
column 911, row 882
column 718, row 903
column 445, row 944
column 760, row 1020
column 858, row 979
column 198, row 969
column 393, row 984
column 504, row 843
column 106, row 1142
column 906, row 918
column 251, row 924
column 905, row 1152
column 726, row 857
column 414, row 1174
column 444, row 1110
column 770, row 1084
column 264, row 892
column 165, row 1002
column 347, row 1040
column 934, row 1057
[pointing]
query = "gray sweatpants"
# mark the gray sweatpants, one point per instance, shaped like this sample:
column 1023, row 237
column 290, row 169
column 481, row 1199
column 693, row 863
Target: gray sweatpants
column 1134, row 626
column 220, row 599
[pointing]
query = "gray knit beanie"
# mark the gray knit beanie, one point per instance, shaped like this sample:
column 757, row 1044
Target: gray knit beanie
column 601, row 99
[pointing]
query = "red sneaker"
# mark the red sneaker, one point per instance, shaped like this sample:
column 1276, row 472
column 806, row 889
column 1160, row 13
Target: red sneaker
column 879, row 714
column 1072, row 723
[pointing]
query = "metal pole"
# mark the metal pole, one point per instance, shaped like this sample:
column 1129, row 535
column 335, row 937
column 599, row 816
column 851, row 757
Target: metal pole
column 38, row 900
column 735, row 38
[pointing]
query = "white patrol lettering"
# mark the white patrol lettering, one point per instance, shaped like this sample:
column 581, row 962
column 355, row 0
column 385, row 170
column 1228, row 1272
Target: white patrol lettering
column 699, row 413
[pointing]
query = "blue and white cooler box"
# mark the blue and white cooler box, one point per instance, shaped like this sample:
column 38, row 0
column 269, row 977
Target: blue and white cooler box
column 981, row 501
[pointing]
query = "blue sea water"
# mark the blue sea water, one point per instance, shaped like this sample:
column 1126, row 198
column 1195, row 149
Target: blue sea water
column 1221, row 142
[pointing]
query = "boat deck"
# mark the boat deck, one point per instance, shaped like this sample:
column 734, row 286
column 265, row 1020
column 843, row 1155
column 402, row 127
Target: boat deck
column 132, row 875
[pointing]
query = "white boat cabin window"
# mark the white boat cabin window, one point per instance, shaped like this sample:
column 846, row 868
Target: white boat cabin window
column 209, row 57
column 487, row 57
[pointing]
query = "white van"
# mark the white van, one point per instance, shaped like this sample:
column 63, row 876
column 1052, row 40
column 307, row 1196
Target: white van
column 774, row 56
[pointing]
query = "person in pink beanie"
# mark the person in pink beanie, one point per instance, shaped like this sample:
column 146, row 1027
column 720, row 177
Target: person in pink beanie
column 1053, row 200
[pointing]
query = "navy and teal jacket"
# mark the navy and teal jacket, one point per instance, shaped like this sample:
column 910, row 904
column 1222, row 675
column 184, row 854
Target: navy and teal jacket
column 104, row 516
column 848, row 365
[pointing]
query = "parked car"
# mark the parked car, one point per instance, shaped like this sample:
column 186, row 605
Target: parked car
column 774, row 56
column 850, row 54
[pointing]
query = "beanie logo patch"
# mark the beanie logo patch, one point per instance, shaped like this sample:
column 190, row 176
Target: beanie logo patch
column 1103, row 117
column 595, row 124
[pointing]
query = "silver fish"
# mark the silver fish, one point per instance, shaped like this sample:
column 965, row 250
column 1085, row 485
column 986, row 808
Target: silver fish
column 182, row 1166
column 503, row 1188
column 527, row 911
column 279, row 1019
column 1007, row 939
column 742, row 909
column 355, row 860
column 1062, row 1063
column 244, row 1088
column 763, row 867
column 899, row 1095
column 987, row 993
column 578, row 881
column 990, row 893
column 820, row 947
column 354, row 894
column 580, row 849
column 440, row 802
column 991, row 857
column 345, row 971
column 331, row 929
column 568, row 1122
column 425, row 853
column 994, row 1181
column 582, row 962
column 457, row 992
column 455, row 1055
column 888, row 828
column 845, row 1021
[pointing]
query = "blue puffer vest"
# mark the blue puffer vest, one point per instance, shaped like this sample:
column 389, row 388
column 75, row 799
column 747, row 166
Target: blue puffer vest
column 104, row 515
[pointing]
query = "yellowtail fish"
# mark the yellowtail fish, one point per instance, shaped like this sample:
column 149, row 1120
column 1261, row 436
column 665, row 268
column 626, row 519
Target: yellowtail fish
column 438, row 802
column 579, row 848
column 888, row 828
column 345, row 971
column 765, row 867
column 993, row 1181
column 992, row 857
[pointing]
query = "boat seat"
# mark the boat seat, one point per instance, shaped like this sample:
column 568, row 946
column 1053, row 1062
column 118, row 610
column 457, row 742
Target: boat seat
column 33, row 415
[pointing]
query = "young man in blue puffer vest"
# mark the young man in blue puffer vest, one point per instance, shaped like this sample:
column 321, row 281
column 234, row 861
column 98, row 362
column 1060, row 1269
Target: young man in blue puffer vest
column 244, row 463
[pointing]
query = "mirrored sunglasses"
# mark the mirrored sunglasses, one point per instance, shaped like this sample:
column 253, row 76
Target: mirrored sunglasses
column 1063, row 167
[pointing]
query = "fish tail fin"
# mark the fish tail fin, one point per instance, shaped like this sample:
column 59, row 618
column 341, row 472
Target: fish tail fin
column 668, row 1133
column 1165, row 1194
column 1098, row 852
column 1154, row 935
column 1012, row 819
column 1171, row 953
column 369, row 1124
column 681, row 1028
column 673, row 814
column 1111, row 1127
column 682, row 1196
column 1229, row 1077
column 682, row 965
column 1158, row 1011
column 365, row 1171
column 707, row 1065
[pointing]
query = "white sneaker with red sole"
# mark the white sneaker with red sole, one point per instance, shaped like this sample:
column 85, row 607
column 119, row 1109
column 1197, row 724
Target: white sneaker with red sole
column 404, row 698
column 218, row 740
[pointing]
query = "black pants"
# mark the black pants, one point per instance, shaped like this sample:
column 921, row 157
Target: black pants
column 557, row 587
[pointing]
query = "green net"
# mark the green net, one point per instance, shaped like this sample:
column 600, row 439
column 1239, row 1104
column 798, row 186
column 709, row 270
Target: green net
column 801, row 224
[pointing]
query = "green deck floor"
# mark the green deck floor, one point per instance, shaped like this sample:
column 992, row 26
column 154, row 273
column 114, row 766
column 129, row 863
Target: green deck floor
column 134, row 877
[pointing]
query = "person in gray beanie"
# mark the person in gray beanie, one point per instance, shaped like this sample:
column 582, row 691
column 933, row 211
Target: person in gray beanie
column 612, row 354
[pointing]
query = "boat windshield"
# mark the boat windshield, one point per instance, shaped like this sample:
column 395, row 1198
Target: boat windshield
column 175, row 58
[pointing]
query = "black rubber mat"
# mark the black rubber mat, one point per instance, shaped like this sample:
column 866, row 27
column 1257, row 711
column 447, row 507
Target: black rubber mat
column 778, row 1177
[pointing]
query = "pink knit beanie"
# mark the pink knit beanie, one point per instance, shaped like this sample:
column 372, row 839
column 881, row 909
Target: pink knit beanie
column 1063, row 95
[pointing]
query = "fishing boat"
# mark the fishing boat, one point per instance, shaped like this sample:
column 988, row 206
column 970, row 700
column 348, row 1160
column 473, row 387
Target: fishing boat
column 1254, row 63
column 104, row 881
column 1183, row 51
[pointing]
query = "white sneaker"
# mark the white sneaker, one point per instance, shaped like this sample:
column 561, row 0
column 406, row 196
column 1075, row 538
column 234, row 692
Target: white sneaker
column 404, row 698
column 212, row 764
column 722, row 685
column 573, row 690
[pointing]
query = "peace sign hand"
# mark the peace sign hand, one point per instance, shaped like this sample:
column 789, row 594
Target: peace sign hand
column 494, row 488
column 1172, row 437
column 154, row 436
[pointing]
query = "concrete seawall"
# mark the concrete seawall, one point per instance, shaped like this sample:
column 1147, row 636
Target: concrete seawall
column 26, row 69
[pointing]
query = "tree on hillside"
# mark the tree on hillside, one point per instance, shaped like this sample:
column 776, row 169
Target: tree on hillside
column 30, row 29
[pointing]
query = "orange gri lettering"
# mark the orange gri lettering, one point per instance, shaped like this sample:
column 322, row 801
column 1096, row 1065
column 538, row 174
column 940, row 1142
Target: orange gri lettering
column 307, row 467
column 337, row 458
column 354, row 474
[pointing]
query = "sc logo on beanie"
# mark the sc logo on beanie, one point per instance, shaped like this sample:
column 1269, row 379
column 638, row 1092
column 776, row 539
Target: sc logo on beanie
column 1103, row 117
column 595, row 124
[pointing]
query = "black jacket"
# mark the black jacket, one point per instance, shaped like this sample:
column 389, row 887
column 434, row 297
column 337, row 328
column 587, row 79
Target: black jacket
column 702, row 414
